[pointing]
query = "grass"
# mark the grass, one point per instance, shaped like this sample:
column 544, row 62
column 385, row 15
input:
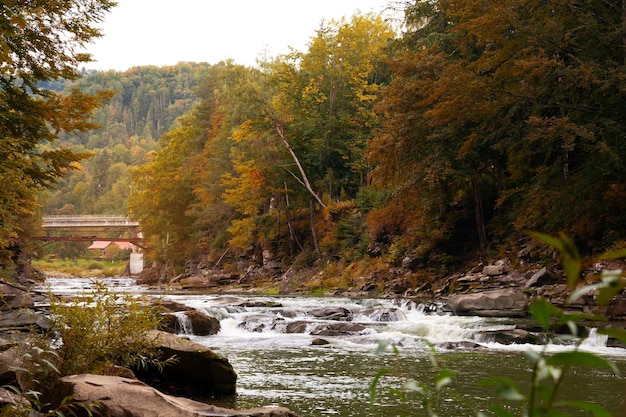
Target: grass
column 80, row 267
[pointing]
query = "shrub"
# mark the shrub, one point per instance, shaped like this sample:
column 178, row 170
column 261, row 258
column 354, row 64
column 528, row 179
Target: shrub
column 95, row 265
column 96, row 332
column 101, row 330
column 36, row 372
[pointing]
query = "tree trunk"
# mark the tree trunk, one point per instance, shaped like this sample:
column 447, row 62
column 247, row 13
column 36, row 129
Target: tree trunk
column 313, row 234
column 304, row 180
column 292, row 235
column 480, row 216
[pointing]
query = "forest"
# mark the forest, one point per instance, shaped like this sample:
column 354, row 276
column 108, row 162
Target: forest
column 445, row 141
column 386, row 149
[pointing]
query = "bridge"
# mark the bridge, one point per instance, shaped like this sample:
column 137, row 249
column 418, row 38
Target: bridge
column 89, row 225
column 87, row 228
column 87, row 222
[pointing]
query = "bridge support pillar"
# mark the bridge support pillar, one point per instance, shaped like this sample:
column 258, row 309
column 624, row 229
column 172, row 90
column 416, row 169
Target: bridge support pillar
column 136, row 263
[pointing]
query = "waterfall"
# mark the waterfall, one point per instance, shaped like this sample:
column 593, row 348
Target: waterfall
column 183, row 323
column 595, row 340
column 292, row 322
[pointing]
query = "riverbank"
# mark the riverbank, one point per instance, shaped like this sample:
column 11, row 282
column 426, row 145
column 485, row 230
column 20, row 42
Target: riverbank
column 80, row 267
column 377, row 279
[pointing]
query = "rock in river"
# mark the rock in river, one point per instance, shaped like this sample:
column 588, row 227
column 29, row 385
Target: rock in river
column 123, row 397
column 506, row 302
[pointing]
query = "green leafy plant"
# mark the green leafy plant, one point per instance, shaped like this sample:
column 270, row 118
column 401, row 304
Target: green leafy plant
column 542, row 398
column 101, row 331
column 36, row 372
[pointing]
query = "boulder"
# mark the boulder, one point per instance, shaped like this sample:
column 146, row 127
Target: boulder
column 515, row 336
column 258, row 323
column 197, row 368
column 201, row 324
column 258, row 303
column 25, row 320
column 461, row 345
column 493, row 270
column 169, row 323
column 173, row 306
column 10, row 359
column 194, row 282
column 331, row 313
column 543, row 277
column 123, row 397
column 17, row 311
column 616, row 309
column 14, row 296
column 338, row 329
column 506, row 302
column 150, row 276
column 397, row 286
column 198, row 324
column 384, row 314
column 297, row 327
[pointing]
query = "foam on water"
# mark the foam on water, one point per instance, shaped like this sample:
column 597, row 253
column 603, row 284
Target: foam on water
column 261, row 322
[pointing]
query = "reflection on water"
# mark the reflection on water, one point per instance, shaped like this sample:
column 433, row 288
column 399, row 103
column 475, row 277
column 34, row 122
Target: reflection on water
column 281, row 368
column 336, row 381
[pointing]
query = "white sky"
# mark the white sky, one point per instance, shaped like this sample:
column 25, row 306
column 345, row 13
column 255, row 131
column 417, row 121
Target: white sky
column 165, row 32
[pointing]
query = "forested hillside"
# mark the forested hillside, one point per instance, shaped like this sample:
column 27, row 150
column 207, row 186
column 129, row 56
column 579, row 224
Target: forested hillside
column 480, row 122
column 145, row 103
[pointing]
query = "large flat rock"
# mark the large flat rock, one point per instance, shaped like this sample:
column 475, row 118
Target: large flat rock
column 123, row 397
column 506, row 302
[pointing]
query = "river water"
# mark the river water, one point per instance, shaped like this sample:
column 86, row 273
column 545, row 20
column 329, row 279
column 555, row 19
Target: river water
column 277, row 367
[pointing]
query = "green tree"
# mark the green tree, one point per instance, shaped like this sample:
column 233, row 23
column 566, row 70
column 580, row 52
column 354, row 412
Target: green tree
column 226, row 169
column 40, row 43
column 308, row 117
column 127, row 131
column 162, row 193
column 327, row 95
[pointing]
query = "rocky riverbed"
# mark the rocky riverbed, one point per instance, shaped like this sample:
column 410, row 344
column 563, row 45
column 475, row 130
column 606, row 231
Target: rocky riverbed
column 494, row 290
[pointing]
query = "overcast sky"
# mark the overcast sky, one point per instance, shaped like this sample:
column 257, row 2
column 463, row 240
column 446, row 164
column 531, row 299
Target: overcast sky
column 165, row 32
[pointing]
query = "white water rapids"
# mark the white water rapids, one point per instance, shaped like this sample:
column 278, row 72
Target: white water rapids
column 278, row 366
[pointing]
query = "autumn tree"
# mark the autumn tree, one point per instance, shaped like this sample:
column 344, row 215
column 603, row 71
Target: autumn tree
column 502, row 114
column 38, row 43
column 316, row 113
column 222, row 107
column 278, row 143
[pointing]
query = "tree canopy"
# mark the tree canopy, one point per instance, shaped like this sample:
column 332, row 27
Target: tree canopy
column 146, row 104
column 40, row 41
column 507, row 113
column 479, row 122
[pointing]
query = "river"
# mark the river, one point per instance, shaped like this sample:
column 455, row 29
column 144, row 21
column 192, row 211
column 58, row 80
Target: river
column 275, row 367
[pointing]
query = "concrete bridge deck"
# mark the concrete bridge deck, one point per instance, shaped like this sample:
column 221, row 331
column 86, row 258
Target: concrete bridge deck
column 90, row 221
